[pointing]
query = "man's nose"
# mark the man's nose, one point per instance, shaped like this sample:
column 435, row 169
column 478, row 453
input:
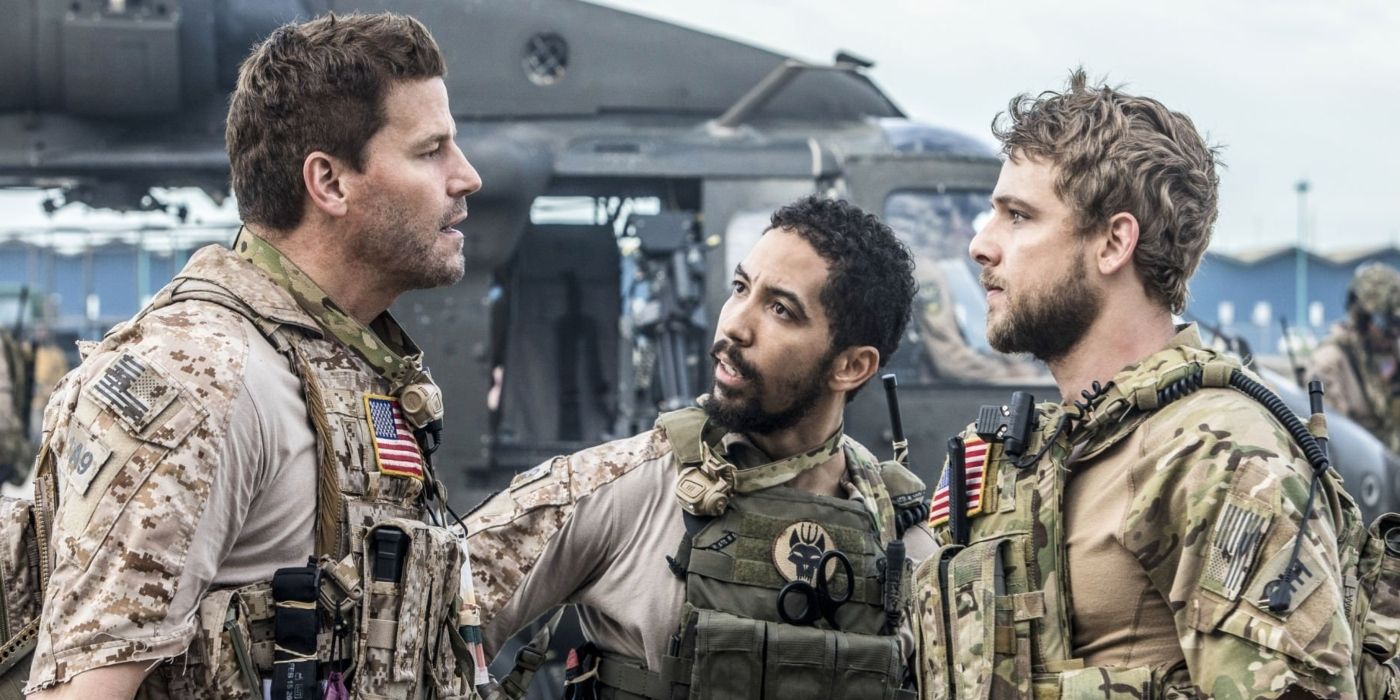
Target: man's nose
column 735, row 323
column 983, row 248
column 465, row 180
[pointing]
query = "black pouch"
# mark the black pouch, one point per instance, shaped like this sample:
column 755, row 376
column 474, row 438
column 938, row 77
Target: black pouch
column 294, row 626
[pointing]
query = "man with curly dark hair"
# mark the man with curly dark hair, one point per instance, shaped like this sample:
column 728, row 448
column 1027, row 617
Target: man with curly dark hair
column 729, row 530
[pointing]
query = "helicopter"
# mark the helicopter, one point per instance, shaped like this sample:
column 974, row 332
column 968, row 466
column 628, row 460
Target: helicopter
column 629, row 165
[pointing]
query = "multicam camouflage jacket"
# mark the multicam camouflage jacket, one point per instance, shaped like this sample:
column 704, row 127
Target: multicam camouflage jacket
column 1352, row 376
column 133, row 436
column 1211, row 522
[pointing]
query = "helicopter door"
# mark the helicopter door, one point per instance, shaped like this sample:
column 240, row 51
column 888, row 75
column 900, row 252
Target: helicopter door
column 556, row 361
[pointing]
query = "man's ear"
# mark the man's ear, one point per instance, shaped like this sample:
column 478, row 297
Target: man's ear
column 323, row 175
column 1118, row 243
column 852, row 367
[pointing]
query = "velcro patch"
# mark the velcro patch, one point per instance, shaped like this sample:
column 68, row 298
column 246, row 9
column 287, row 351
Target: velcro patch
column 533, row 474
column 395, row 450
column 1233, row 545
column 84, row 459
column 1307, row 578
column 134, row 391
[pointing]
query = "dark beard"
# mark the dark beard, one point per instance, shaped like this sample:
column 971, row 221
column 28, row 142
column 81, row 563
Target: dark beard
column 1049, row 325
column 397, row 248
column 745, row 414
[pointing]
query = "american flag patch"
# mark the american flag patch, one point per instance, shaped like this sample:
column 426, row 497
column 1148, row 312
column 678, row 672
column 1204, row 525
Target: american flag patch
column 133, row 390
column 1233, row 545
column 394, row 447
column 975, row 463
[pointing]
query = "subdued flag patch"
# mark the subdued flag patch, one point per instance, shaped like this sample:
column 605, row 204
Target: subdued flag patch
column 1233, row 545
column 975, row 468
column 133, row 390
column 394, row 447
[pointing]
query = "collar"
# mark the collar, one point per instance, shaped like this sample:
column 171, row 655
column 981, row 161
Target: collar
column 383, row 344
column 752, row 469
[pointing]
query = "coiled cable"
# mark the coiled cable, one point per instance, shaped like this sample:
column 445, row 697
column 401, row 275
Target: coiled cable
column 1280, row 590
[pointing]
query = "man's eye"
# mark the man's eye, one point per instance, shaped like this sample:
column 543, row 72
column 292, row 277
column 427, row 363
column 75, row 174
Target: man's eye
column 737, row 287
column 1017, row 217
column 781, row 310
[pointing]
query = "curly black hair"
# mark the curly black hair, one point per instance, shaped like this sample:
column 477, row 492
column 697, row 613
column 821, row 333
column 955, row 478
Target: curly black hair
column 869, row 291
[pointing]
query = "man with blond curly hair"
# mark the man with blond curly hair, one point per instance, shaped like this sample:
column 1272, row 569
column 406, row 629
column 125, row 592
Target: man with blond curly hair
column 1139, row 541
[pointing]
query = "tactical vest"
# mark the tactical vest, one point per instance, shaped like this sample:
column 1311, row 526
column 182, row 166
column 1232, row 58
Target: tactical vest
column 732, row 642
column 395, row 638
column 993, row 617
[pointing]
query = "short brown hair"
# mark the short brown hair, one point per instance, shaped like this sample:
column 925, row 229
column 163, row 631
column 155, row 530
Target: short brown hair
column 316, row 86
column 1114, row 153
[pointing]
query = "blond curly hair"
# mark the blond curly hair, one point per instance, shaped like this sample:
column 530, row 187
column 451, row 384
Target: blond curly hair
column 1115, row 152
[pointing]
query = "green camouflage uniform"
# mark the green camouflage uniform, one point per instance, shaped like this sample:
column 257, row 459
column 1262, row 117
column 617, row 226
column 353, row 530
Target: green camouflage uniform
column 1213, row 518
column 1354, row 375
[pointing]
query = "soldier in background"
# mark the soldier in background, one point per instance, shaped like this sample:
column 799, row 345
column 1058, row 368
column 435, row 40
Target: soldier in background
column 677, row 545
column 1126, row 544
column 1359, row 363
column 16, row 382
column 265, row 408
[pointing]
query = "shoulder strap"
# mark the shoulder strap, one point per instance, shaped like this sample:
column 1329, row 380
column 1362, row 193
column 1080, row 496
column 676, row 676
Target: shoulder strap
column 683, row 430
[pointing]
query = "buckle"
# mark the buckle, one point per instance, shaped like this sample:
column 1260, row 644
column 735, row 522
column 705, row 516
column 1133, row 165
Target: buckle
column 529, row 658
column 339, row 590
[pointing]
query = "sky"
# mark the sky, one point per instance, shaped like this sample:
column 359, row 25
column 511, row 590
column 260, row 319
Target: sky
column 1291, row 89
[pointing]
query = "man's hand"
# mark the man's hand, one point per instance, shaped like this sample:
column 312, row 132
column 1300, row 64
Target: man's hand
column 117, row 682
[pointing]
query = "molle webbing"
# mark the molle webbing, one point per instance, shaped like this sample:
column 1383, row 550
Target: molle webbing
column 750, row 563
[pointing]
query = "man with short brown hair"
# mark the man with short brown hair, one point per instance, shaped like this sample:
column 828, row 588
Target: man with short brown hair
column 265, row 408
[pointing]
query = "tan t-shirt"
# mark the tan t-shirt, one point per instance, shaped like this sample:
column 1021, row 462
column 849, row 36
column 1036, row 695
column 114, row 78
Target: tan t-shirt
column 1119, row 617
column 203, row 473
column 594, row 529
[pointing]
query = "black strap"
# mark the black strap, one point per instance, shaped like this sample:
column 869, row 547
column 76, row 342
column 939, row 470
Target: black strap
column 294, row 627
column 680, row 563
column 527, row 661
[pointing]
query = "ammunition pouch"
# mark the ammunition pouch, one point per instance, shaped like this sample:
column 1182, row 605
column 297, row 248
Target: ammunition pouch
column 974, row 635
column 737, row 657
column 391, row 641
column 1376, row 611
column 405, row 626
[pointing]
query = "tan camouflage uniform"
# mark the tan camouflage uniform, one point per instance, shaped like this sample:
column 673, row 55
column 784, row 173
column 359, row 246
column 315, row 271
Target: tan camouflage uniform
column 1130, row 560
column 197, row 446
column 595, row 528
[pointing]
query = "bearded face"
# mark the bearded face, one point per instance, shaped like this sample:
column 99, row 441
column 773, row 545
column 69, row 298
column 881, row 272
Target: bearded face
column 1047, row 320
column 763, row 404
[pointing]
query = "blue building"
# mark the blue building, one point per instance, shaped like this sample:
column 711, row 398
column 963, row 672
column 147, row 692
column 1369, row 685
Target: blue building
column 1245, row 294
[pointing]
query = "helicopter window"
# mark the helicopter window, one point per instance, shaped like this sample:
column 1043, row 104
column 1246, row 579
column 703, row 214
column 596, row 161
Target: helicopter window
column 951, row 307
column 936, row 225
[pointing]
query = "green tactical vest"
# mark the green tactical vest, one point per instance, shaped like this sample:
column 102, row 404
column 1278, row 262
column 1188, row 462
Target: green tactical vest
column 993, row 617
column 732, row 643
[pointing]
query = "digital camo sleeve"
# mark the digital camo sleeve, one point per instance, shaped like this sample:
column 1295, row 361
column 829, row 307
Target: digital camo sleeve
column 135, row 440
column 535, row 544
